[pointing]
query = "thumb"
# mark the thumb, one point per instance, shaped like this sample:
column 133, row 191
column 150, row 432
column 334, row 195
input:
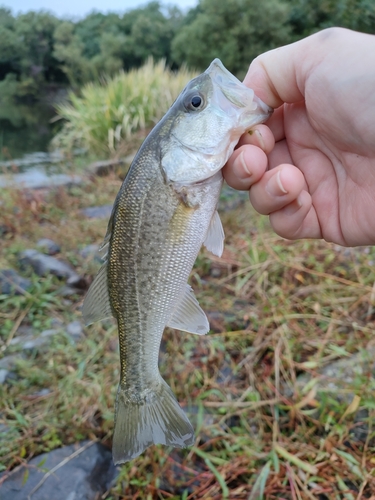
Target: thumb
column 279, row 76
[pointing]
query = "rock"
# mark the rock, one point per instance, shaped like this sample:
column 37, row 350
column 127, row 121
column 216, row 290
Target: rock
column 4, row 429
column 84, row 477
column 7, row 364
column 3, row 375
column 75, row 330
column 56, row 323
column 77, row 281
column 45, row 264
column 230, row 198
column 36, row 158
column 11, row 282
column 338, row 375
column 48, row 246
column 102, row 168
column 28, row 342
column 178, row 479
column 215, row 272
column 101, row 212
column 37, row 178
column 91, row 252
column 361, row 428
column 4, row 229
column 67, row 291
column 42, row 393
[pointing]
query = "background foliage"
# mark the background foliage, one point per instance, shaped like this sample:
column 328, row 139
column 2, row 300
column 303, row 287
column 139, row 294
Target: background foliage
column 39, row 51
column 107, row 114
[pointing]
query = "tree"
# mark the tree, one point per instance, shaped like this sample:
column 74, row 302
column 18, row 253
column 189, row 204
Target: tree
column 236, row 31
column 68, row 50
column 9, row 49
column 309, row 16
column 149, row 32
column 26, row 61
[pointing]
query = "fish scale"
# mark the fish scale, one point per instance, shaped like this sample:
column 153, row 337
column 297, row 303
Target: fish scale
column 151, row 265
column 164, row 212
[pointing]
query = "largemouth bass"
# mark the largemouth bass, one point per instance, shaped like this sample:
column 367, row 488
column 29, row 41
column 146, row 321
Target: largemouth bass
column 164, row 212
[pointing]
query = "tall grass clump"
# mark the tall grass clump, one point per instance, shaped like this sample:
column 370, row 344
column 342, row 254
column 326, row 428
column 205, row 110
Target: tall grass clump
column 109, row 112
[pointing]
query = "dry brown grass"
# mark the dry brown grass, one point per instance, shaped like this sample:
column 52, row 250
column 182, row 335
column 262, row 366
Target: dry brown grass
column 269, row 424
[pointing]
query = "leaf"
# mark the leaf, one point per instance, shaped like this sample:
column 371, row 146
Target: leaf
column 344, row 488
column 42, row 462
column 257, row 491
column 310, row 469
column 25, row 477
column 352, row 408
column 204, row 455
column 208, row 460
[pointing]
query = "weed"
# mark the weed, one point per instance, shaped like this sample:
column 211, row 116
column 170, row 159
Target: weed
column 273, row 419
column 107, row 113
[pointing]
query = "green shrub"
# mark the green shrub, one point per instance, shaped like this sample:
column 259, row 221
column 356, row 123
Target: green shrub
column 107, row 113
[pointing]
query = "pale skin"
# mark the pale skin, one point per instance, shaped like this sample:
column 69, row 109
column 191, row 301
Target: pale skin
column 311, row 167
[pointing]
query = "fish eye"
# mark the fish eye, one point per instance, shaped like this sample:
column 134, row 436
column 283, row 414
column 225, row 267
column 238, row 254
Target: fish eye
column 194, row 102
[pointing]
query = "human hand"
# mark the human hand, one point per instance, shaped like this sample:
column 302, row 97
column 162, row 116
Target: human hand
column 319, row 145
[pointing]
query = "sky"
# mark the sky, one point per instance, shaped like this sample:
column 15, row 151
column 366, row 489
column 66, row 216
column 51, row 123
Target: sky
column 80, row 8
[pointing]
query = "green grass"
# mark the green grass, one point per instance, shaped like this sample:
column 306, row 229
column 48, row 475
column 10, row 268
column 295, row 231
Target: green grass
column 267, row 424
column 105, row 114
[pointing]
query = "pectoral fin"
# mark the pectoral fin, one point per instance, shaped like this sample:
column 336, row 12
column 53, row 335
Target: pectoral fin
column 188, row 315
column 96, row 305
column 214, row 241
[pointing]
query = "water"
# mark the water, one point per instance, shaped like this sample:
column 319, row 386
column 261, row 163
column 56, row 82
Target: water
column 25, row 129
column 25, row 135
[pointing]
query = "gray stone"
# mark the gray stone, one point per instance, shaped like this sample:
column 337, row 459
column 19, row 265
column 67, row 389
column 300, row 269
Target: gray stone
column 91, row 252
column 77, row 281
column 56, row 323
column 3, row 375
column 28, row 342
column 45, row 264
column 84, row 477
column 67, row 291
column 4, row 429
column 101, row 212
column 42, row 393
column 33, row 159
column 75, row 330
column 361, row 429
column 11, row 282
column 48, row 246
column 104, row 167
column 37, row 178
column 7, row 364
column 231, row 199
column 338, row 375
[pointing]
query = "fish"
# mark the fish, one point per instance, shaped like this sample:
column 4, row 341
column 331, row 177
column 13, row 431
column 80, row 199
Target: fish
column 165, row 210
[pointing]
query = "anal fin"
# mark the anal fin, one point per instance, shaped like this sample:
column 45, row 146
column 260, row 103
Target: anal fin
column 188, row 315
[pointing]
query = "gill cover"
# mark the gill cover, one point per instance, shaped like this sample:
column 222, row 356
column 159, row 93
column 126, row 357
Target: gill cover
column 211, row 114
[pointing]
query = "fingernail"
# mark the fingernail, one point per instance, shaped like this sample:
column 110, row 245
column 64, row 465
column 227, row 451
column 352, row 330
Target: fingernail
column 275, row 187
column 245, row 168
column 293, row 207
column 259, row 139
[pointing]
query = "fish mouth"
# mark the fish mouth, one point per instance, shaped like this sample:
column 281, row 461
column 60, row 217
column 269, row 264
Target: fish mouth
column 238, row 94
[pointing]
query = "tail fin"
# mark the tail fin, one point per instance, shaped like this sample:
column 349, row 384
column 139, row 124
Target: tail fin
column 159, row 420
